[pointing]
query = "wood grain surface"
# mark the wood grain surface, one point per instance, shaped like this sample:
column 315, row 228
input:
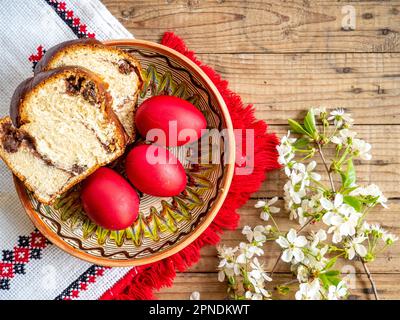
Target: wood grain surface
column 284, row 57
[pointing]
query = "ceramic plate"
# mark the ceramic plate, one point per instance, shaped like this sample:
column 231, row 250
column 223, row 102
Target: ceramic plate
column 165, row 225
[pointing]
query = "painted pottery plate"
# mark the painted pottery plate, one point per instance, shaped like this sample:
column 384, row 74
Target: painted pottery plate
column 165, row 225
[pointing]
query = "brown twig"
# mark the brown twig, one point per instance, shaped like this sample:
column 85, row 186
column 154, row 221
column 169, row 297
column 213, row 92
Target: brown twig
column 370, row 279
column 326, row 167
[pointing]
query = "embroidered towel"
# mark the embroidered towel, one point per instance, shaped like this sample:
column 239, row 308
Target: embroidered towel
column 30, row 267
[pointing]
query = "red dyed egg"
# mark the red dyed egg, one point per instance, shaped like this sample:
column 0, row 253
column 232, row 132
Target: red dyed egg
column 155, row 171
column 178, row 121
column 109, row 200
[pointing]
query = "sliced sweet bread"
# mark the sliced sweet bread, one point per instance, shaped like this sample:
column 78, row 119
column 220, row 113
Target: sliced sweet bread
column 61, row 129
column 117, row 67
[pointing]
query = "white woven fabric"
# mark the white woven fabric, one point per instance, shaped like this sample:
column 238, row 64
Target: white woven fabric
column 29, row 270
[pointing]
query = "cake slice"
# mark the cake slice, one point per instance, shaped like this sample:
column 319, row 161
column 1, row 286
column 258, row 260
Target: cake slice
column 61, row 129
column 117, row 67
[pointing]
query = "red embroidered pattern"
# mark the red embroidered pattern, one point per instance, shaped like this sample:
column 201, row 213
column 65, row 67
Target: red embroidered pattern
column 81, row 284
column 34, row 58
column 13, row 261
column 70, row 19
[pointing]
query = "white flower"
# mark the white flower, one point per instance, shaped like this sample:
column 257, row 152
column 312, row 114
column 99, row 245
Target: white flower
column 309, row 291
column 227, row 266
column 253, row 296
column 338, row 292
column 247, row 251
column 267, row 207
column 345, row 136
column 298, row 213
column 230, row 269
column 316, row 251
column 285, row 150
column 268, row 229
column 329, row 206
column 308, row 207
column 302, row 273
column 292, row 245
column 340, row 117
column 226, row 254
column 293, row 193
column 389, row 238
column 195, row 295
column 361, row 149
column 341, row 218
column 306, row 172
column 315, row 257
column 257, row 271
column 355, row 246
column 372, row 191
column 317, row 237
column 257, row 234
column 259, row 287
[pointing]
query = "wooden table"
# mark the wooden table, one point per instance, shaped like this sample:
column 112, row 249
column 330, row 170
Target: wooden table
column 283, row 57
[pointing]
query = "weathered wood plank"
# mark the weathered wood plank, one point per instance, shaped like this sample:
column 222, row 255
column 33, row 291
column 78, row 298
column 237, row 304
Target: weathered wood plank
column 264, row 26
column 381, row 170
column 283, row 85
column 209, row 287
column 388, row 261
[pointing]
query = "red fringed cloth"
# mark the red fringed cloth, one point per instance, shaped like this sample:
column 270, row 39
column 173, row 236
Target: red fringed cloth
column 141, row 284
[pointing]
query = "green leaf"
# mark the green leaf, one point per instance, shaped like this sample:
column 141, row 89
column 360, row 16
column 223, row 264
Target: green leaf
column 348, row 177
column 324, row 279
column 351, row 174
column 309, row 122
column 297, row 127
column 353, row 202
column 330, row 263
column 332, row 273
column 334, row 279
column 348, row 190
column 330, row 278
column 301, row 143
column 343, row 176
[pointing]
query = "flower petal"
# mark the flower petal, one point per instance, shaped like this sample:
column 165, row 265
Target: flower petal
column 272, row 201
column 361, row 250
column 298, row 254
column 260, row 204
column 287, row 255
column 274, row 209
column 282, row 241
column 326, row 204
column 291, row 236
column 300, row 241
column 338, row 200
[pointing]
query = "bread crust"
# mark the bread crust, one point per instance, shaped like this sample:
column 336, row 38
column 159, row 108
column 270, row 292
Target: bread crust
column 29, row 86
column 45, row 64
